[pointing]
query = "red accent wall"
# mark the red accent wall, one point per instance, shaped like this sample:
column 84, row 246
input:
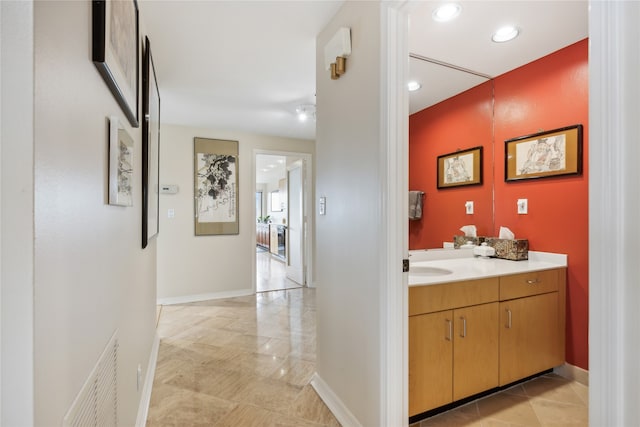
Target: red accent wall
column 546, row 94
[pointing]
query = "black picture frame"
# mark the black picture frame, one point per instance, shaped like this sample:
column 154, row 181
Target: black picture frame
column 116, row 49
column 461, row 168
column 547, row 154
column 150, row 148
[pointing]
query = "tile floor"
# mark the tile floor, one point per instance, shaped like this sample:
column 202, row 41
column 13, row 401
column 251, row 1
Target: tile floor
column 549, row 400
column 271, row 274
column 247, row 361
column 243, row 361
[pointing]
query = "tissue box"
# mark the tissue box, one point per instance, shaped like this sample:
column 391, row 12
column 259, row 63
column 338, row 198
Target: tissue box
column 461, row 240
column 515, row 250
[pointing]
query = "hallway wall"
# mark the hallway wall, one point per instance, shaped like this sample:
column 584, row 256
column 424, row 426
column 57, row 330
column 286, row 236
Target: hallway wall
column 197, row 267
column 92, row 277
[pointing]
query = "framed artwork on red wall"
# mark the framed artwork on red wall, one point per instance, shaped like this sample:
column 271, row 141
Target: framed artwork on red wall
column 544, row 154
column 461, row 168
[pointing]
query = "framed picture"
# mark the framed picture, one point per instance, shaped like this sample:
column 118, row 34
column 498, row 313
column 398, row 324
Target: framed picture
column 115, row 50
column 150, row 148
column 215, row 186
column 460, row 168
column 545, row 154
column 120, row 164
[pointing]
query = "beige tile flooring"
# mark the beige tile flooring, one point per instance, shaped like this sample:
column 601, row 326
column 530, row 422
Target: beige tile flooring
column 243, row 361
column 247, row 361
column 271, row 273
column 549, row 400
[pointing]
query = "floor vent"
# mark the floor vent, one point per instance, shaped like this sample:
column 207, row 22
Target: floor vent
column 97, row 402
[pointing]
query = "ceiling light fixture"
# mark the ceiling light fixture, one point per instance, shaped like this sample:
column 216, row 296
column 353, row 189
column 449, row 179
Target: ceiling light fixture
column 413, row 86
column 506, row 33
column 305, row 112
column 446, row 12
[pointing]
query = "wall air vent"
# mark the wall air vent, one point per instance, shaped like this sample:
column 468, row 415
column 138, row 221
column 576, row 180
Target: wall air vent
column 97, row 402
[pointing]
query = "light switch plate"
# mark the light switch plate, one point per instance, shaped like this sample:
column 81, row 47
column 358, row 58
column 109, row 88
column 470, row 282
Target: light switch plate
column 322, row 206
column 523, row 206
column 469, row 207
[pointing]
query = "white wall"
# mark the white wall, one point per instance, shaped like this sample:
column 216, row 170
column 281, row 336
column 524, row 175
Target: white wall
column 199, row 267
column 91, row 275
column 16, row 215
column 348, row 158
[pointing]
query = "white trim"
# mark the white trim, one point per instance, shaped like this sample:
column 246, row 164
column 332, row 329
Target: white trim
column 614, row 200
column 573, row 373
column 145, row 398
column 394, row 188
column 333, row 402
column 205, row 297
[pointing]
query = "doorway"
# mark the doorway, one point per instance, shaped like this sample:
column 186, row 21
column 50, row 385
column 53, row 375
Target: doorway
column 282, row 190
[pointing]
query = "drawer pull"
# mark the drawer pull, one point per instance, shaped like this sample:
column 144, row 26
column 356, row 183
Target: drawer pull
column 533, row 281
column 463, row 333
column 508, row 325
column 448, row 331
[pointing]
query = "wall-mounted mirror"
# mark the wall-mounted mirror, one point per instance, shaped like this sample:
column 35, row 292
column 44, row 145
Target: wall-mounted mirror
column 449, row 58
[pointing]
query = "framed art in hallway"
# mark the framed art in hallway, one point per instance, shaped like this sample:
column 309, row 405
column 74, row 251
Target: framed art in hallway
column 120, row 164
column 545, row 154
column 464, row 167
column 215, row 186
column 150, row 148
column 115, row 49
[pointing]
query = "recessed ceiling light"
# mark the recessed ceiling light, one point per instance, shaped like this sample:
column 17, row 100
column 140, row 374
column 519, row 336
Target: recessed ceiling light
column 506, row 33
column 413, row 86
column 446, row 12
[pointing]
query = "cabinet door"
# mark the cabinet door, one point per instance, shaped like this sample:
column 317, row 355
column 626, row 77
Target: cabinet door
column 430, row 361
column 475, row 349
column 529, row 336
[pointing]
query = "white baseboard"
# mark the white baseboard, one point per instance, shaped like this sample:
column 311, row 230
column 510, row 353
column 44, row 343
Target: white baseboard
column 333, row 402
column 573, row 373
column 204, row 297
column 145, row 398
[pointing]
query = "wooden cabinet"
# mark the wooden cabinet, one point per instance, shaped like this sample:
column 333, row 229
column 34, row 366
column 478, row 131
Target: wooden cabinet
column 453, row 352
column 532, row 337
column 262, row 235
column 430, row 361
column 472, row 336
column 475, row 350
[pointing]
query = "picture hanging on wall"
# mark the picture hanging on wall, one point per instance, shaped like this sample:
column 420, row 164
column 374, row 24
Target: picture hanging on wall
column 120, row 164
column 461, row 168
column 115, row 49
column 150, row 148
column 216, row 186
column 544, row 154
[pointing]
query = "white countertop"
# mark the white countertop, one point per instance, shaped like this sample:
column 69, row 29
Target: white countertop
column 469, row 267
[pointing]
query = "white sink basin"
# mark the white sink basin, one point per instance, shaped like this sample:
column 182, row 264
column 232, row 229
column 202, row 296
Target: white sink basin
column 420, row 270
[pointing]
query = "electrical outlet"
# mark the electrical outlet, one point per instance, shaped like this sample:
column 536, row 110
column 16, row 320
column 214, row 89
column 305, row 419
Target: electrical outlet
column 523, row 206
column 469, row 207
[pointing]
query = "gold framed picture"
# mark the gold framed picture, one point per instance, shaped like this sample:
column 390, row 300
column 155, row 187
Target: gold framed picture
column 461, row 168
column 544, row 154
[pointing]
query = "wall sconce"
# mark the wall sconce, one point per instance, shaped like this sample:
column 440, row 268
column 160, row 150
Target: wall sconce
column 337, row 51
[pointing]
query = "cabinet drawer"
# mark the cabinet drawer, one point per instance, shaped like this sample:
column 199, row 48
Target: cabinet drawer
column 445, row 296
column 526, row 284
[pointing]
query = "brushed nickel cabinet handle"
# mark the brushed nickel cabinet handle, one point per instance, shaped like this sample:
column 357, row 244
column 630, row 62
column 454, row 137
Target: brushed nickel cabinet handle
column 533, row 281
column 508, row 325
column 448, row 331
column 464, row 327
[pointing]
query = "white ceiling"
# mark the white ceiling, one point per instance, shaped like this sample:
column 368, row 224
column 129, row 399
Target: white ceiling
column 246, row 65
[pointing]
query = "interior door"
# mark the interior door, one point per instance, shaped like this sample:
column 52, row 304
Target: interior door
column 295, row 222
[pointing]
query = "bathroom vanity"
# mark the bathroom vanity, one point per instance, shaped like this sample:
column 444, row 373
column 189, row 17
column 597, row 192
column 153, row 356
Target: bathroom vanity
column 479, row 324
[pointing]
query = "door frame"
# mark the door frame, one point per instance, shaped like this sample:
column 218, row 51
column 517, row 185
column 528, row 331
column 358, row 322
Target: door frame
column 307, row 207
